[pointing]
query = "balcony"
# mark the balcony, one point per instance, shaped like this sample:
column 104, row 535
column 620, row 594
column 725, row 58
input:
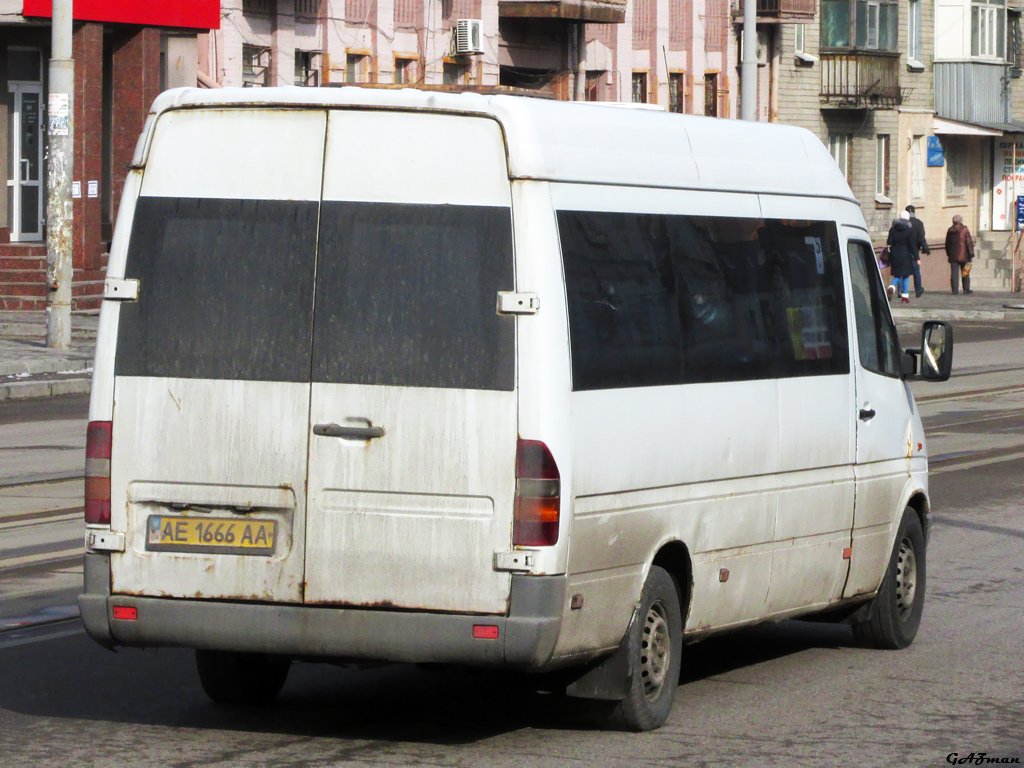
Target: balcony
column 973, row 91
column 860, row 80
column 785, row 10
column 606, row 11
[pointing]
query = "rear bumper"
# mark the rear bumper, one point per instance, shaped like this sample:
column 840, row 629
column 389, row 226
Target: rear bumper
column 526, row 636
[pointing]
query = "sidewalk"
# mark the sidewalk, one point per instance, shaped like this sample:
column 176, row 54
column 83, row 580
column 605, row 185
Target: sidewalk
column 28, row 368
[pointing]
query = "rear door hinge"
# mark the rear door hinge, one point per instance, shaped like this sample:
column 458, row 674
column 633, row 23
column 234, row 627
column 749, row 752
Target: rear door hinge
column 516, row 561
column 115, row 289
column 517, row 303
column 104, row 541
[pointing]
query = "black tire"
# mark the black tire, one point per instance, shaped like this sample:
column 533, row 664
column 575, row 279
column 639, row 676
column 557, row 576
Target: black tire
column 893, row 617
column 655, row 644
column 241, row 678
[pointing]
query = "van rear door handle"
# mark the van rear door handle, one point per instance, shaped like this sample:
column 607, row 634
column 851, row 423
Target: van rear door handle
column 866, row 414
column 367, row 432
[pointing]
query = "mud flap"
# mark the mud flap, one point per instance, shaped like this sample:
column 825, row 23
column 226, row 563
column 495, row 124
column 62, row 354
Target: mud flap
column 611, row 678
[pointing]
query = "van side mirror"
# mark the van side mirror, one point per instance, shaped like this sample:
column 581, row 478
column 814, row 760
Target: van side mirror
column 936, row 351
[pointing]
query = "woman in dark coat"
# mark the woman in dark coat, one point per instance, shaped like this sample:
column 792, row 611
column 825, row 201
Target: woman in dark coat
column 903, row 246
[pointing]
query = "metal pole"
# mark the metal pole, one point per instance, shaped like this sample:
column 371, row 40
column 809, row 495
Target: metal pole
column 748, row 69
column 59, row 171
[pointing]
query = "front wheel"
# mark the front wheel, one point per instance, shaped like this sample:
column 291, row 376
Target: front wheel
column 241, row 678
column 894, row 615
column 655, row 646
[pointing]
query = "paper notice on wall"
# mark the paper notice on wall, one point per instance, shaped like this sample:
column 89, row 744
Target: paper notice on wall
column 819, row 256
column 93, row 188
column 59, row 112
column 76, row 189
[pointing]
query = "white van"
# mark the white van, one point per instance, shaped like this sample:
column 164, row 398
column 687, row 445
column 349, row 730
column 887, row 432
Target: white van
column 491, row 380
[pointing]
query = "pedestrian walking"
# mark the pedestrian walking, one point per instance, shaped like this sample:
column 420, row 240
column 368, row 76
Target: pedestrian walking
column 902, row 247
column 959, row 254
column 922, row 247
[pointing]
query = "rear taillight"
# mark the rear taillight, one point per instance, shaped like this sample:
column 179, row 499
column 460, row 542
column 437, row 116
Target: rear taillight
column 97, row 473
column 538, row 495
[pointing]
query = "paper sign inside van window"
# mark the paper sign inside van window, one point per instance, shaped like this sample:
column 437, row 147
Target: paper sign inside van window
column 819, row 258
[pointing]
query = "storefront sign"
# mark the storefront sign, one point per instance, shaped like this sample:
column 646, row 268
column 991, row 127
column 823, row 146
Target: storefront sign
column 199, row 14
column 1020, row 213
column 1007, row 180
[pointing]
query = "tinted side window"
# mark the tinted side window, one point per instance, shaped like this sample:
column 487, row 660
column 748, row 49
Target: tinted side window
column 876, row 336
column 406, row 295
column 226, row 290
column 657, row 299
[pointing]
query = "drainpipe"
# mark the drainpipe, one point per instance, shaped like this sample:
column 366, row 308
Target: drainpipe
column 59, row 170
column 748, row 69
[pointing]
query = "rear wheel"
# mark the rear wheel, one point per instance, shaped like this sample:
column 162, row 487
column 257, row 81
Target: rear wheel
column 894, row 615
column 655, row 644
column 241, row 678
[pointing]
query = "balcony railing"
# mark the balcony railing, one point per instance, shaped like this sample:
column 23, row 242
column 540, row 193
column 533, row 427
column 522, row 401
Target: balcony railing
column 786, row 9
column 861, row 80
column 607, row 11
column 973, row 91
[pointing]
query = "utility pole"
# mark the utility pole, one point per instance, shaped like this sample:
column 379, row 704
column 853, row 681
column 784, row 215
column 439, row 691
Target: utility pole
column 748, row 69
column 59, row 172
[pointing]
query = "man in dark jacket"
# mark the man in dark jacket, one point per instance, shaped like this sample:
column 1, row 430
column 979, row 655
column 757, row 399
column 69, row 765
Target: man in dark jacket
column 922, row 247
column 959, row 254
column 902, row 247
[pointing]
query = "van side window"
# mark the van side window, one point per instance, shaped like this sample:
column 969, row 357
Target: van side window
column 876, row 336
column 656, row 299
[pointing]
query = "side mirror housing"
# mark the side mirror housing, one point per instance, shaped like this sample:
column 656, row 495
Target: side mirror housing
column 936, row 351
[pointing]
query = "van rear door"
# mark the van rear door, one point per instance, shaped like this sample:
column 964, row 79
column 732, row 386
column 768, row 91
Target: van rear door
column 413, row 412
column 211, row 392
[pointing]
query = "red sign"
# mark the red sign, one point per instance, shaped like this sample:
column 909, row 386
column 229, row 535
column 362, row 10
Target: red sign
column 199, row 14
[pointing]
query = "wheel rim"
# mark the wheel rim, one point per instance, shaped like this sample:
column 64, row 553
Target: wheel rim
column 655, row 651
column 906, row 579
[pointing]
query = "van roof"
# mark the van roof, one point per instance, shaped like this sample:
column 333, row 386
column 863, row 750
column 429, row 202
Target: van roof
column 586, row 142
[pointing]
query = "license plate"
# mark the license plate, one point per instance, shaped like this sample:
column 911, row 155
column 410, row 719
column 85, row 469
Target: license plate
column 211, row 534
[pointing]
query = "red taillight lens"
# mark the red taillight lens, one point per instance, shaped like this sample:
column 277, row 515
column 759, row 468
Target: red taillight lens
column 538, row 496
column 97, row 472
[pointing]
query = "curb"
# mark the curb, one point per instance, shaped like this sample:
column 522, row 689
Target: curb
column 21, row 390
column 954, row 314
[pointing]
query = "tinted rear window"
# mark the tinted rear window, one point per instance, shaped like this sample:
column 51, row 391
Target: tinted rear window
column 226, row 290
column 406, row 295
column 658, row 299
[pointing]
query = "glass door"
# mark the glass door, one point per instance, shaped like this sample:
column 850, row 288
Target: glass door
column 25, row 161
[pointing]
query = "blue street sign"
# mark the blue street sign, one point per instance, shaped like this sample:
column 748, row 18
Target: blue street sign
column 936, row 157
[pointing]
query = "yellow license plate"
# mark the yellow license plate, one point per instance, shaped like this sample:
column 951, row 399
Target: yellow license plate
column 211, row 534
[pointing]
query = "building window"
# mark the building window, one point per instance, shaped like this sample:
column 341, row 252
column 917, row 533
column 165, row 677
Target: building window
column 1014, row 43
column 839, row 147
column 711, row 94
column 639, row 87
column 988, row 28
column 917, row 157
column 455, row 74
column 357, row 68
column 307, row 68
column 956, row 172
column 861, row 24
column 308, row 9
column 592, row 90
column 676, row 95
column 798, row 39
column 405, row 71
column 882, row 168
column 255, row 66
column 914, row 31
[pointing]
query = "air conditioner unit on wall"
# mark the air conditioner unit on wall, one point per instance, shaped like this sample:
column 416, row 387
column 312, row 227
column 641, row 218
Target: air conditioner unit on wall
column 469, row 37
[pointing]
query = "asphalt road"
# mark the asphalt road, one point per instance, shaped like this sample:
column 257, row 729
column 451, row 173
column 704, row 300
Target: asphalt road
column 793, row 694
